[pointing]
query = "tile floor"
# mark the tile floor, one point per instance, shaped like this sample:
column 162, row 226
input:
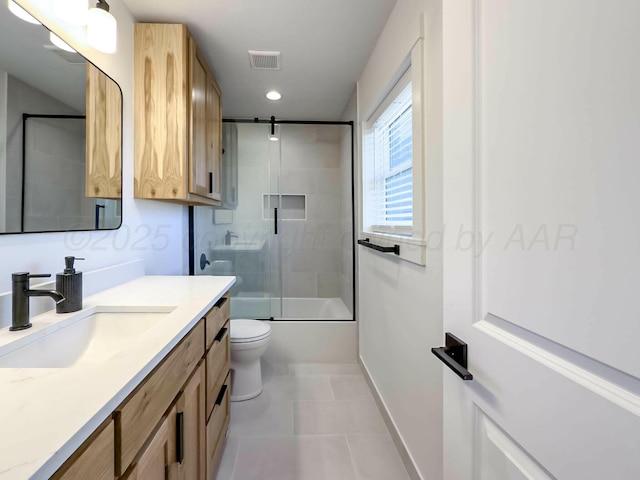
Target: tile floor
column 311, row 422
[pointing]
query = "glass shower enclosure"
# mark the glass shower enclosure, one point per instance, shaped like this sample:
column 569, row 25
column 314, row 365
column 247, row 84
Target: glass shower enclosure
column 286, row 227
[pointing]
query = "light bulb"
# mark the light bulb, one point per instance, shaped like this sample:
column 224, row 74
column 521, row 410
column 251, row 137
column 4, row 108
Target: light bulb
column 74, row 12
column 21, row 13
column 102, row 29
column 273, row 95
column 273, row 138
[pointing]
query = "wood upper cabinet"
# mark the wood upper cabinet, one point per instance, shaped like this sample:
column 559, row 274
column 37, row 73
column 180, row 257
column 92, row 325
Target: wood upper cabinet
column 178, row 124
column 214, row 137
column 104, row 136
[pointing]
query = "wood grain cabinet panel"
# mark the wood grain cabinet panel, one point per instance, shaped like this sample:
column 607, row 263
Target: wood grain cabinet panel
column 191, row 408
column 217, row 426
column 217, row 317
column 158, row 460
column 173, row 160
column 104, row 136
column 218, row 361
column 137, row 416
column 94, row 459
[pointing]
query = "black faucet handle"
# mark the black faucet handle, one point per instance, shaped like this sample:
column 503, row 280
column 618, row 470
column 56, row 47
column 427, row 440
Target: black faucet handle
column 38, row 275
column 24, row 276
column 21, row 276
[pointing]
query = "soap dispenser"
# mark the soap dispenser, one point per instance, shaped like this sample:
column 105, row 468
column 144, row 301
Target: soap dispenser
column 69, row 284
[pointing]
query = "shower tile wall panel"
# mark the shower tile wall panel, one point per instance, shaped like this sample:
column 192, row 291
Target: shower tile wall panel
column 310, row 249
column 50, row 143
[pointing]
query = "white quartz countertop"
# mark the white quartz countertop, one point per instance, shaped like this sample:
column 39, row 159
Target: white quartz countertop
column 47, row 413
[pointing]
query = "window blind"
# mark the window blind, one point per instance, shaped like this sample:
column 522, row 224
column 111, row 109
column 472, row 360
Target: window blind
column 388, row 166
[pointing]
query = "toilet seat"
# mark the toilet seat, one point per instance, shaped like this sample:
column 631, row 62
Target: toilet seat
column 245, row 330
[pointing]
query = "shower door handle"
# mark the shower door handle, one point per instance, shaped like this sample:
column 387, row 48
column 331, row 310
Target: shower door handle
column 275, row 220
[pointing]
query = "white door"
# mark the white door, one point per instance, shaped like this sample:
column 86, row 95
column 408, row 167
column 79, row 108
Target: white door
column 542, row 213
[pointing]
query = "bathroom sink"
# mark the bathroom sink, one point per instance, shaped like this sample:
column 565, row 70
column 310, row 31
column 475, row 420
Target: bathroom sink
column 90, row 339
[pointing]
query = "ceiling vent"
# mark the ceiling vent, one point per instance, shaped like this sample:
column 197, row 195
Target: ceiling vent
column 261, row 60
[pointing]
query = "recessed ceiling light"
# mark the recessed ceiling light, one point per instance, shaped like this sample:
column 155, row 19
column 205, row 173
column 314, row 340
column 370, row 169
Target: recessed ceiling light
column 58, row 42
column 273, row 95
column 21, row 13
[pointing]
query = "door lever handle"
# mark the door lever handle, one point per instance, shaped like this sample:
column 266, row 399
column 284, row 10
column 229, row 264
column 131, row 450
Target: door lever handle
column 454, row 356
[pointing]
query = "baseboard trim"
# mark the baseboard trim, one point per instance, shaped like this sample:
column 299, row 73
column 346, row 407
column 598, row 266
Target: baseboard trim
column 405, row 456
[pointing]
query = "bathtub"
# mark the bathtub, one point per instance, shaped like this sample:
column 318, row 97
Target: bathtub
column 292, row 308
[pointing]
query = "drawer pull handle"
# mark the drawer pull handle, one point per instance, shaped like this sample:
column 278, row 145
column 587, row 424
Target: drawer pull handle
column 221, row 302
column 180, row 437
column 223, row 390
column 221, row 334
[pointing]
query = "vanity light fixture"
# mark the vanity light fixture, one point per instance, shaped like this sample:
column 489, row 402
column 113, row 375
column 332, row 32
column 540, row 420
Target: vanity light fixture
column 273, row 95
column 61, row 44
column 102, row 28
column 21, row 13
column 73, row 12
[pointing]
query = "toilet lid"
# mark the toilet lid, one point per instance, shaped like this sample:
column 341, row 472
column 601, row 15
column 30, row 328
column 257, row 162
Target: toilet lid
column 245, row 330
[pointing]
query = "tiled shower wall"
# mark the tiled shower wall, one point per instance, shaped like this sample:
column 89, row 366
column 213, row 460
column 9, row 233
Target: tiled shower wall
column 65, row 143
column 310, row 249
column 315, row 253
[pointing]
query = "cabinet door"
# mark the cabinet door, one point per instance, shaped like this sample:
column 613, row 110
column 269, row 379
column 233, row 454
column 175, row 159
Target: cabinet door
column 104, row 138
column 191, row 424
column 214, row 136
column 199, row 168
column 161, row 111
column 94, row 459
column 158, row 462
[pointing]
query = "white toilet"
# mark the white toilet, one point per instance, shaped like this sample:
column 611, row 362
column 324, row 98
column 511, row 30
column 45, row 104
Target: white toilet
column 249, row 340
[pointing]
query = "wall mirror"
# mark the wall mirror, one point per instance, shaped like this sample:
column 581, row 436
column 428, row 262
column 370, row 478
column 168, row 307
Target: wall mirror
column 60, row 135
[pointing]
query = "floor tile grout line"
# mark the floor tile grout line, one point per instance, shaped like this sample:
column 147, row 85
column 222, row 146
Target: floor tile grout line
column 235, row 460
column 333, row 392
column 353, row 463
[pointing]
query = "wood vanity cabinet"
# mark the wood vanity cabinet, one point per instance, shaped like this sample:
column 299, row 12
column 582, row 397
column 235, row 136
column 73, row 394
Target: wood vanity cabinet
column 173, row 425
column 178, row 127
column 94, row 459
column 104, row 136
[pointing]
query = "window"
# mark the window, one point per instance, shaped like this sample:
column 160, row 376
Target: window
column 393, row 163
column 388, row 169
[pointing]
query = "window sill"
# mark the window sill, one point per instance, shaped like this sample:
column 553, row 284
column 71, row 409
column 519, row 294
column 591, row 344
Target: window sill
column 412, row 250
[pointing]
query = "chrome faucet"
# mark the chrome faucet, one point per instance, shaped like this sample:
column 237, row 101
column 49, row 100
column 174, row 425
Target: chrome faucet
column 228, row 236
column 21, row 294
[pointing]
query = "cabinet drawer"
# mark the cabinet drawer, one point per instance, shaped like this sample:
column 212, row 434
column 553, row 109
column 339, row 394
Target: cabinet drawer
column 94, row 459
column 217, row 317
column 217, row 426
column 140, row 413
column 218, row 363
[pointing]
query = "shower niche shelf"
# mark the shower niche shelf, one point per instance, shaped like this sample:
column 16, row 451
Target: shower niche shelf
column 292, row 206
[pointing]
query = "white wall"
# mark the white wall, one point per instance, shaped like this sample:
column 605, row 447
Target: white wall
column 152, row 230
column 400, row 303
